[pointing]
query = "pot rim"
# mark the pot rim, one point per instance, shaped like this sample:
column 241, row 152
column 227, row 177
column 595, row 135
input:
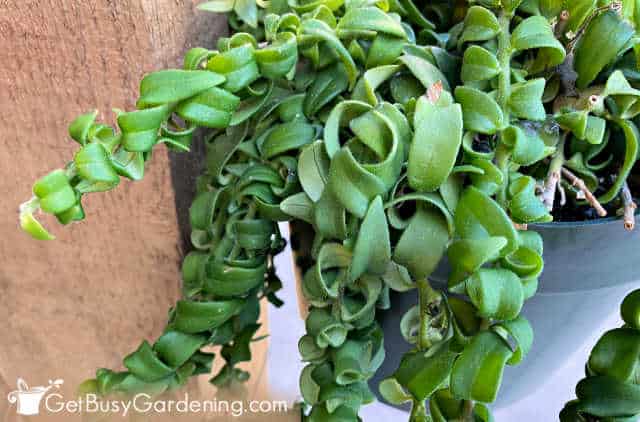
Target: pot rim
column 584, row 223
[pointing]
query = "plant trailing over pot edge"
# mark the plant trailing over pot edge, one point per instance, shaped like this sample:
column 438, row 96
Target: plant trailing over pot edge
column 399, row 135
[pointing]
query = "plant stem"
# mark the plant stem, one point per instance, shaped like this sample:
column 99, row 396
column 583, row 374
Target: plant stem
column 629, row 207
column 504, row 91
column 418, row 412
column 554, row 176
column 426, row 297
column 467, row 411
column 588, row 195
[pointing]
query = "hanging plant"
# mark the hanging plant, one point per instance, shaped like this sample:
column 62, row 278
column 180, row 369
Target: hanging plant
column 396, row 134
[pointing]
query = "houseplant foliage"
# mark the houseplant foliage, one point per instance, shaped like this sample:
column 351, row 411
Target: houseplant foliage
column 399, row 133
column 611, row 387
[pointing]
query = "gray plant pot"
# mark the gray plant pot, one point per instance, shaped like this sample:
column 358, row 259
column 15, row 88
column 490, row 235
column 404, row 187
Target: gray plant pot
column 589, row 268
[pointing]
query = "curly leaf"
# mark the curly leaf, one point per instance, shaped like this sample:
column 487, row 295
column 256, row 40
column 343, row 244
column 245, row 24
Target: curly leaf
column 496, row 292
column 602, row 41
column 535, row 32
column 477, row 373
column 479, row 64
column 480, row 112
column 174, row 85
column 436, row 141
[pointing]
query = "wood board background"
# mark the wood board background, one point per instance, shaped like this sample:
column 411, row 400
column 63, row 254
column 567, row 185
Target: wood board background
column 87, row 299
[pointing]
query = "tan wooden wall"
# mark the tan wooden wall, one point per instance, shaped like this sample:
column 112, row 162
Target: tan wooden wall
column 89, row 297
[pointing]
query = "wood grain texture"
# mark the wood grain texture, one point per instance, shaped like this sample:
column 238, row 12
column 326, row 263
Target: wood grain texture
column 89, row 297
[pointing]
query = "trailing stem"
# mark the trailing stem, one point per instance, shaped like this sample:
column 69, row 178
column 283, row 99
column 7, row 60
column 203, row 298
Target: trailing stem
column 554, row 176
column 504, row 91
column 629, row 210
column 588, row 195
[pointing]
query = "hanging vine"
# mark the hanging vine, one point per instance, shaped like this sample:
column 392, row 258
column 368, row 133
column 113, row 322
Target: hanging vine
column 399, row 134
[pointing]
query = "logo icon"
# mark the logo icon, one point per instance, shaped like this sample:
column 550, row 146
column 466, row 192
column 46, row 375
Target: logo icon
column 29, row 398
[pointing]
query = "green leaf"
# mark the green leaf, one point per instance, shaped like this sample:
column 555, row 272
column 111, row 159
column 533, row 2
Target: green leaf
column 526, row 145
column 325, row 328
column 436, row 141
column 79, row 128
column 94, row 164
column 210, row 108
column 54, row 192
column 480, row 24
column 320, row 31
column 617, row 355
column 466, row 256
column 353, row 185
column 140, row 128
column 525, row 262
column 247, row 10
column 365, row 89
column 196, row 317
column 322, row 281
column 367, row 22
column 604, row 396
column 203, row 208
column 227, row 280
column 477, row 373
column 478, row 217
column 423, row 373
column 313, row 169
column 298, row 206
column 174, row 85
column 525, row 206
column 414, row 15
column 237, row 65
column 144, row 364
column 479, row 64
column 630, row 309
column 427, row 73
column 285, row 137
column 522, row 332
column 496, row 292
column 600, row 44
column 128, row 164
column 328, row 84
column 278, row 59
column 392, row 392
column 525, row 100
column 398, row 278
column 372, row 250
column 480, row 112
column 535, row 32
column 29, row 224
column 427, row 232
column 175, row 348
column 491, row 179
column 384, row 50
column 631, row 141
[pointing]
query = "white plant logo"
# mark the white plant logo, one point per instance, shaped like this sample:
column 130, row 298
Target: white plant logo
column 29, row 398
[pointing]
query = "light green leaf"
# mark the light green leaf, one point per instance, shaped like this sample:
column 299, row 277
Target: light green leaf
column 436, row 141
column 480, row 24
column 173, row 85
column 477, row 373
column 525, row 100
column 479, row 64
column 496, row 292
column 372, row 250
column 478, row 217
column 480, row 112
column 535, row 32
